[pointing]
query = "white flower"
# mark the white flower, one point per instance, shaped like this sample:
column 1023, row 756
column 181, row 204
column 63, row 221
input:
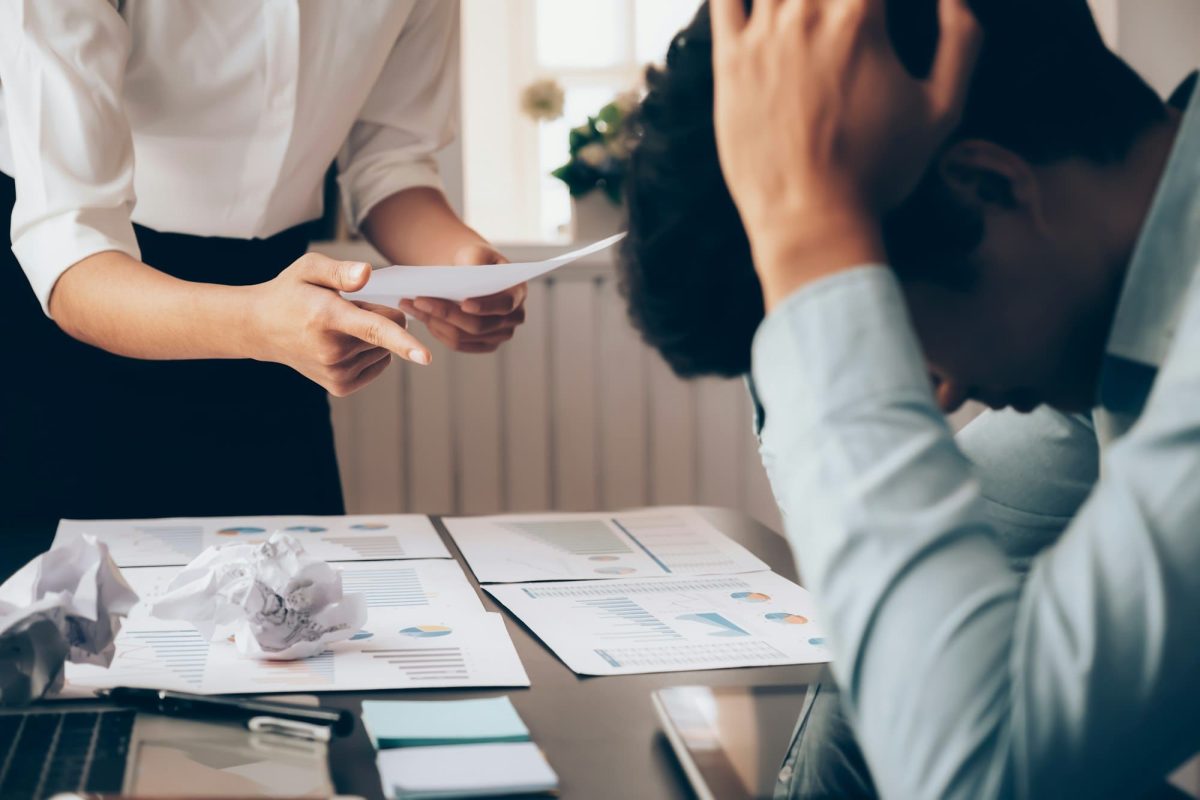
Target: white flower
column 543, row 100
column 594, row 154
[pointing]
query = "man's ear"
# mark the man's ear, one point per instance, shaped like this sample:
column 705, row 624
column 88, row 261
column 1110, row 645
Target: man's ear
column 981, row 174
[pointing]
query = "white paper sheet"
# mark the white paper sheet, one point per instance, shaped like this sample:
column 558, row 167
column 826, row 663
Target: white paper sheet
column 389, row 284
column 631, row 544
column 670, row 624
column 176, row 541
column 397, row 649
column 416, row 584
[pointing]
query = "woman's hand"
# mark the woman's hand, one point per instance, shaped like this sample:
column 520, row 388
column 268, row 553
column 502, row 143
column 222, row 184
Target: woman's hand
column 821, row 129
column 478, row 325
column 300, row 319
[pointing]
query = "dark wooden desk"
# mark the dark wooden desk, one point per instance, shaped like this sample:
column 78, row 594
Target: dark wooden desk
column 600, row 734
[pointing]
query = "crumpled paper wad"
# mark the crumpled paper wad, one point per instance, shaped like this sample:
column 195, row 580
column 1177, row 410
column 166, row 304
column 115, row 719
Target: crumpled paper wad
column 65, row 605
column 276, row 602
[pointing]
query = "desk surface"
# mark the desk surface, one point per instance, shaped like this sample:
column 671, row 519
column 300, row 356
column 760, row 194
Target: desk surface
column 600, row 734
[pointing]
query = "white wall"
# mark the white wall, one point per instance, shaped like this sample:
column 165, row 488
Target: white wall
column 1160, row 38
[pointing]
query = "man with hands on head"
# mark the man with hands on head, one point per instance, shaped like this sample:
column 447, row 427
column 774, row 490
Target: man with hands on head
column 996, row 201
column 169, row 342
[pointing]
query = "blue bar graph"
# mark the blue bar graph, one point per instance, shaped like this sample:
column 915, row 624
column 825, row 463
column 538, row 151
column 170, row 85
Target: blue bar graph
column 399, row 587
column 630, row 621
column 184, row 651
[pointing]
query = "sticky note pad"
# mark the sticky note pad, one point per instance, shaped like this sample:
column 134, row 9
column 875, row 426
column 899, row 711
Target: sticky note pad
column 473, row 770
column 419, row 723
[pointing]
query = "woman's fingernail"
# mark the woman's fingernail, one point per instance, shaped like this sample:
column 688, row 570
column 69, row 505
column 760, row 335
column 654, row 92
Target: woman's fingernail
column 471, row 307
column 423, row 305
column 419, row 356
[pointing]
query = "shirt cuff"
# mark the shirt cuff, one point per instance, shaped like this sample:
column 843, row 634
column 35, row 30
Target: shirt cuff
column 365, row 185
column 835, row 343
column 50, row 247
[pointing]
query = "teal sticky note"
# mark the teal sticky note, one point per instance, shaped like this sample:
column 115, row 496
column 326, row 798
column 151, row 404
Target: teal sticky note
column 416, row 723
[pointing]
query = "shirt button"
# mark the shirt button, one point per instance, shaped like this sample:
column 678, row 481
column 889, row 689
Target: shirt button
column 785, row 774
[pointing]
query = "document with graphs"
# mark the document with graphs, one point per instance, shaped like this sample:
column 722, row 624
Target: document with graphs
column 656, row 542
column 396, row 649
column 437, row 584
column 176, row 541
column 426, row 628
column 622, row 627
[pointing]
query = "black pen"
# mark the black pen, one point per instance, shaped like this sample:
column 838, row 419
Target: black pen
column 181, row 704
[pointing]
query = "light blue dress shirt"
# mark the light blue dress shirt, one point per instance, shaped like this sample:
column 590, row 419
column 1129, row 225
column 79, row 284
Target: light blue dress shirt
column 962, row 678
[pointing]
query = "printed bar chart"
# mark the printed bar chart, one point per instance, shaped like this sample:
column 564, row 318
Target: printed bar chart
column 441, row 663
column 670, row 624
column 674, row 542
column 629, row 620
column 175, row 542
column 397, row 649
column 586, row 537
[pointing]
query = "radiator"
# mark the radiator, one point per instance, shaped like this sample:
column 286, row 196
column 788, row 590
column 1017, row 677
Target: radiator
column 574, row 414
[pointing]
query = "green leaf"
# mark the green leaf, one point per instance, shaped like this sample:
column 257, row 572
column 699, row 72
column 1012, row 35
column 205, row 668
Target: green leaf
column 611, row 116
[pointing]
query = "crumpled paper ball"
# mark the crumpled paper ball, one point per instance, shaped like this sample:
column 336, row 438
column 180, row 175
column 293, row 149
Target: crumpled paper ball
column 70, row 610
column 277, row 602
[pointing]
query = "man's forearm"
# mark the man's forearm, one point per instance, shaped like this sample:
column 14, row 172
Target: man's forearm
column 119, row 304
column 417, row 226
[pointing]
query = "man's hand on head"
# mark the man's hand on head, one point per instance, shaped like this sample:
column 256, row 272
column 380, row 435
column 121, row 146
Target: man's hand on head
column 821, row 129
column 478, row 325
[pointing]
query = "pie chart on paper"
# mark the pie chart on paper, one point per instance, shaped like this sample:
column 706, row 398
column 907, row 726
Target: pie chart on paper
column 246, row 530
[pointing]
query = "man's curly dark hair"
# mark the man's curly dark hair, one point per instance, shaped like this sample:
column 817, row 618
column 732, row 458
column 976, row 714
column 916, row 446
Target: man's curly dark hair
column 1046, row 87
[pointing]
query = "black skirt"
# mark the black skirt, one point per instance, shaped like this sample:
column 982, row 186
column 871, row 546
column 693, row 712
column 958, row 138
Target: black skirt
column 86, row 434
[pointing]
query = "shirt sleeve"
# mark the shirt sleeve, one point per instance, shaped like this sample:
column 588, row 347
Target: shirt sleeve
column 409, row 115
column 62, row 66
column 1035, row 471
column 961, row 680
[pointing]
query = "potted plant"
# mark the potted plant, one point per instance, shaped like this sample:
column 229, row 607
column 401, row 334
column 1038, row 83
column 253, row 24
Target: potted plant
column 599, row 159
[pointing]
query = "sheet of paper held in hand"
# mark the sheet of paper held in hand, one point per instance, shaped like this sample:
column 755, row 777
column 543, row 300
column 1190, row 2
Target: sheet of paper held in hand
column 175, row 542
column 655, row 542
column 461, row 283
column 614, row 627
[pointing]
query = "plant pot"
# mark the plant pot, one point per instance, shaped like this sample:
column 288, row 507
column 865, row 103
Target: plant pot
column 595, row 217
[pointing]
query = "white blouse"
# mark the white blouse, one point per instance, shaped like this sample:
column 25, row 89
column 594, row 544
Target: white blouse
column 213, row 117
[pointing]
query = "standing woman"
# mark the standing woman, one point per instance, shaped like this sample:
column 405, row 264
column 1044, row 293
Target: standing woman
column 167, row 345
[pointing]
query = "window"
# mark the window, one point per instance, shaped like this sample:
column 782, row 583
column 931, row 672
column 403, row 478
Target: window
column 595, row 49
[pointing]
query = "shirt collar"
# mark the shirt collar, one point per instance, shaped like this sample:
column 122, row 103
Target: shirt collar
column 1165, row 258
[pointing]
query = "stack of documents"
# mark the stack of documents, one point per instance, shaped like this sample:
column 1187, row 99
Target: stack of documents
column 456, row 748
column 426, row 627
column 658, row 590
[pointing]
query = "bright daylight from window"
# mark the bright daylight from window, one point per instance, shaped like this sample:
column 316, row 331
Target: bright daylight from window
column 595, row 50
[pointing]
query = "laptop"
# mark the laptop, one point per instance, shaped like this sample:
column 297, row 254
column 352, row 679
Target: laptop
column 92, row 747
